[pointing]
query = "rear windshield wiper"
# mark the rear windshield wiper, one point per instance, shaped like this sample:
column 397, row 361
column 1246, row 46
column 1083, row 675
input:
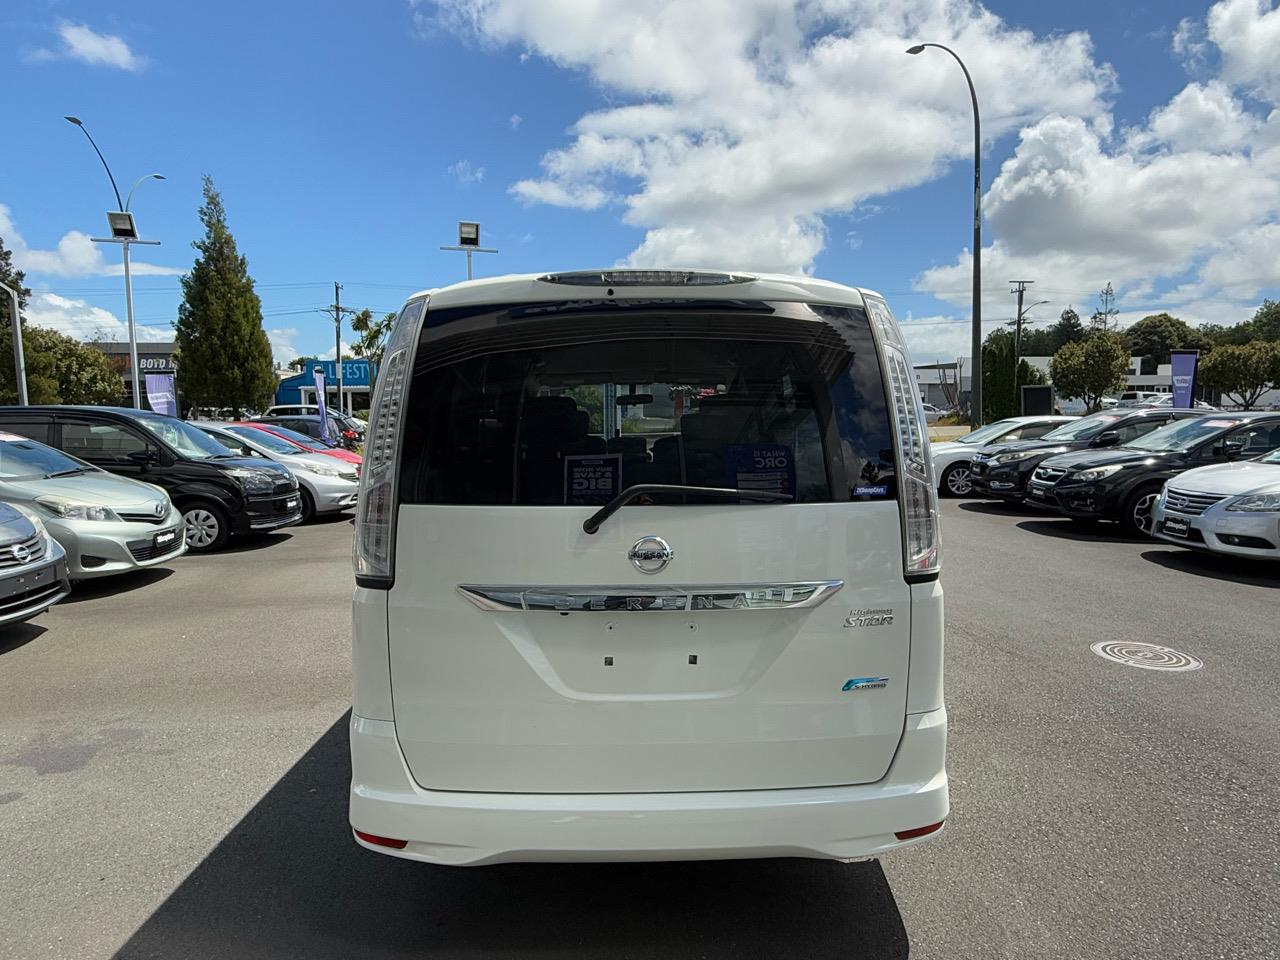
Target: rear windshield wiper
column 593, row 522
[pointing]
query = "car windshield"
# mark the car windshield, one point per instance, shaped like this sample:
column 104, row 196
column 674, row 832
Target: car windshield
column 28, row 460
column 187, row 440
column 1182, row 435
column 311, row 443
column 265, row 440
column 990, row 432
column 1085, row 428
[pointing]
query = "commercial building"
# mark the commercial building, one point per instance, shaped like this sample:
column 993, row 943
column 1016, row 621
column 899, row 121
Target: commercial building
column 301, row 387
column 153, row 357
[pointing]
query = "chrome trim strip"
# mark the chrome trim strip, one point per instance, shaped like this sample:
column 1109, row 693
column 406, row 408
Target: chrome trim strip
column 686, row 598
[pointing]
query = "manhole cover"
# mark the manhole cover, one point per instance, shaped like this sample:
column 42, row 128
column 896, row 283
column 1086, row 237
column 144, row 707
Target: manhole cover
column 1148, row 656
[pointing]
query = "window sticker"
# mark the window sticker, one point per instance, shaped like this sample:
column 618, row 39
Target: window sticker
column 592, row 479
column 760, row 466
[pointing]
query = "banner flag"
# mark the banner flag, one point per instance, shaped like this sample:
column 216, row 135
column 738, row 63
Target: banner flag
column 322, row 403
column 161, row 396
column 1182, row 369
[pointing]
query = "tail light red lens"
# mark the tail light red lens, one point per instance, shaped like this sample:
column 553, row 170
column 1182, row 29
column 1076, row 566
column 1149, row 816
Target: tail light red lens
column 919, row 831
column 381, row 841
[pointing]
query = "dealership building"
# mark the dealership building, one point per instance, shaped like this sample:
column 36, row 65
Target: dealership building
column 301, row 387
column 153, row 357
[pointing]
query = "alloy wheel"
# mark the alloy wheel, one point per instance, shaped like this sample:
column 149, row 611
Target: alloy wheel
column 1142, row 512
column 959, row 482
column 202, row 528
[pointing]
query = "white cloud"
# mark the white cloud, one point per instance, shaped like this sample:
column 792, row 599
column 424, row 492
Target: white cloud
column 80, row 42
column 328, row 354
column 283, row 346
column 1190, row 198
column 465, row 173
column 748, row 120
column 516, row 120
column 84, row 321
column 75, row 255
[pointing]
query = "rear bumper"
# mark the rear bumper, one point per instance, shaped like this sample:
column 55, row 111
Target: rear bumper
column 467, row 829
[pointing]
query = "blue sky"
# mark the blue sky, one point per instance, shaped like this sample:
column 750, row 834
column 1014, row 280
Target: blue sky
column 1127, row 143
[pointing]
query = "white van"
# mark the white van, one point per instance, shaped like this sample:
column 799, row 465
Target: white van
column 647, row 569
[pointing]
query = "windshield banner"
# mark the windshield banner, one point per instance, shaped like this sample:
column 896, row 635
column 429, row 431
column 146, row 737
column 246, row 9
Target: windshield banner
column 161, row 395
column 1182, row 367
column 323, row 410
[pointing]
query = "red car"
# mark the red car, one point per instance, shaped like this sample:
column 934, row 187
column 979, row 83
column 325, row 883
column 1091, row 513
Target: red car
column 309, row 444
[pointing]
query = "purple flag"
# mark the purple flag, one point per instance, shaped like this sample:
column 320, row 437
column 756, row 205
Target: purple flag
column 322, row 404
column 161, row 396
column 1182, row 369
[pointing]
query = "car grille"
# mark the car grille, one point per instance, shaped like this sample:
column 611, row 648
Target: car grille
column 29, row 598
column 32, row 549
column 1191, row 504
column 286, row 486
column 1049, row 474
column 142, row 516
column 147, row 550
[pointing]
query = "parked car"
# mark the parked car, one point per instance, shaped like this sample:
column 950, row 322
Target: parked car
column 325, row 485
column 1226, row 508
column 1123, row 484
column 932, row 413
column 306, row 443
column 951, row 457
column 106, row 524
column 1166, row 400
column 310, row 409
column 341, row 429
column 33, row 567
column 1140, row 398
column 743, row 609
column 1003, row 470
column 218, row 493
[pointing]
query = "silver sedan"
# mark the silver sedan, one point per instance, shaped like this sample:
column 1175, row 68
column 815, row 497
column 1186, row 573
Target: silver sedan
column 107, row 524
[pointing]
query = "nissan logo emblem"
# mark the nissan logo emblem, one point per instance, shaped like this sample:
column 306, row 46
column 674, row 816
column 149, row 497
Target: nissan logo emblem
column 21, row 553
column 650, row 554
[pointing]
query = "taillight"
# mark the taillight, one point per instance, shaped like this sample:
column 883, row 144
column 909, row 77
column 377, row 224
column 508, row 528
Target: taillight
column 918, row 831
column 374, row 549
column 920, row 541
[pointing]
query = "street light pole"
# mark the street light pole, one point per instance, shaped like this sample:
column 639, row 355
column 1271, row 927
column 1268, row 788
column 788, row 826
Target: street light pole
column 19, row 360
column 123, row 236
column 975, row 364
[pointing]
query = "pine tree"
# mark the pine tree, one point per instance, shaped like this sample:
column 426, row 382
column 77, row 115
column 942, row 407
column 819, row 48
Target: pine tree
column 226, row 356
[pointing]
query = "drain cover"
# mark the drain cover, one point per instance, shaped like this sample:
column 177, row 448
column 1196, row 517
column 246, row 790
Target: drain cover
column 1148, row 656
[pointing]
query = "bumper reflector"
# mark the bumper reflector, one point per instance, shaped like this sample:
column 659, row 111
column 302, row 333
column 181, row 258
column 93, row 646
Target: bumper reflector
column 918, row 831
column 388, row 842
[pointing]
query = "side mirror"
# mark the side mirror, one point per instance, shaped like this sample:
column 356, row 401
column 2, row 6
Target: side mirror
column 143, row 458
column 1233, row 448
column 1108, row 438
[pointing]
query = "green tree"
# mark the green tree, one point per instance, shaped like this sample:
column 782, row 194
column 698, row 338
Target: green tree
column 1047, row 342
column 15, row 278
column 372, row 333
column 226, row 357
column 1153, row 337
column 1242, row 372
column 1089, row 369
column 590, row 397
column 1104, row 318
column 1001, row 383
column 1265, row 324
column 302, row 364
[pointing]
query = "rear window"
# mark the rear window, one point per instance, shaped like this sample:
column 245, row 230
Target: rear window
column 576, row 403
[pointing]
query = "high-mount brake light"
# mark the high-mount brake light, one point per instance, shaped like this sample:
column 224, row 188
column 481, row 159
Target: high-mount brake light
column 373, row 552
column 920, row 542
column 645, row 278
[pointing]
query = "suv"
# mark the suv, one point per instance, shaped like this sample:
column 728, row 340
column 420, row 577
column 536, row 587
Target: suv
column 1003, row 471
column 218, row 493
column 951, row 458
column 647, row 568
column 1124, row 484
column 341, row 429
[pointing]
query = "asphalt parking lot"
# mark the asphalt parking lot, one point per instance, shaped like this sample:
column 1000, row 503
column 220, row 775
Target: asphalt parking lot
column 173, row 776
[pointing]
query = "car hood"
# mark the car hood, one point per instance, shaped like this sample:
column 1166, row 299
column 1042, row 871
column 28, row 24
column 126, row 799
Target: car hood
column 1231, row 479
column 1015, row 445
column 15, row 526
column 98, row 488
column 1086, row 459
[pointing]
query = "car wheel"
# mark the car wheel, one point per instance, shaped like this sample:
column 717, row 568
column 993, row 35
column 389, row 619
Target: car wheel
column 956, row 481
column 205, row 526
column 1137, row 520
column 308, row 504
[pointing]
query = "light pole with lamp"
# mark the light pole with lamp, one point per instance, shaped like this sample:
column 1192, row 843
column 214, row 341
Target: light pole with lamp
column 124, row 232
column 975, row 363
column 469, row 242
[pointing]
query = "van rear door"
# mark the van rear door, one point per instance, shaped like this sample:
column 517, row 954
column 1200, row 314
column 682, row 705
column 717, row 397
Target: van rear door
column 692, row 643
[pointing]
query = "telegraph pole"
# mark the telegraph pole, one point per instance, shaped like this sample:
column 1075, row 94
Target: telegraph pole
column 1019, row 288
column 337, row 339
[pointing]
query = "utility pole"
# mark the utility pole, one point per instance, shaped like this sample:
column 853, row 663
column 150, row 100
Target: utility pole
column 337, row 339
column 19, row 361
column 1019, row 288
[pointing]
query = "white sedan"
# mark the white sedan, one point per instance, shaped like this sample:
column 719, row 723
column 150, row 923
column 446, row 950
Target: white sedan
column 1227, row 508
column 951, row 458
